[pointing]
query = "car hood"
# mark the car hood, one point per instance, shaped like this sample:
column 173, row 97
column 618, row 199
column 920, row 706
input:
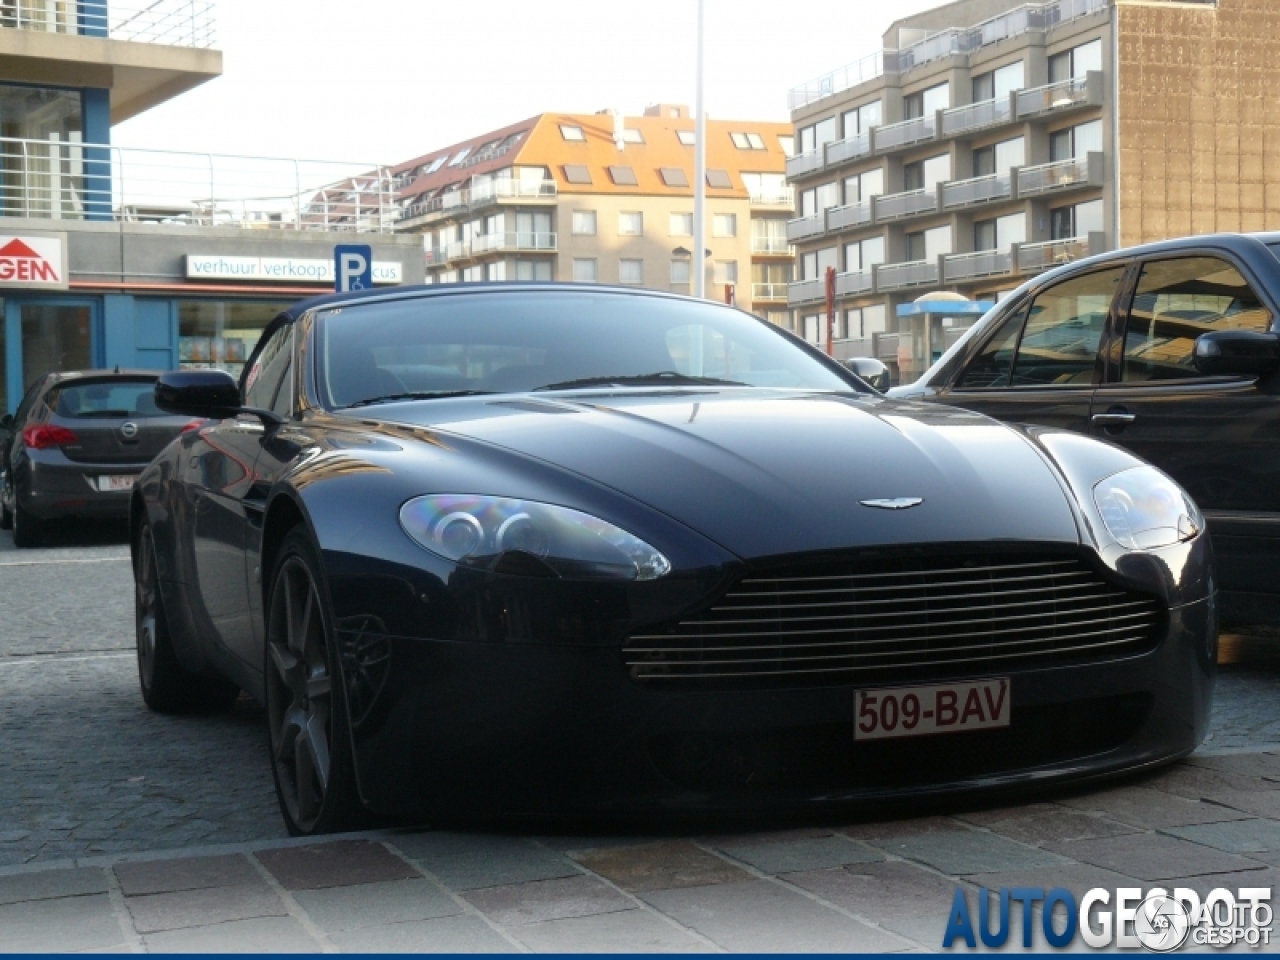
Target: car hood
column 767, row 472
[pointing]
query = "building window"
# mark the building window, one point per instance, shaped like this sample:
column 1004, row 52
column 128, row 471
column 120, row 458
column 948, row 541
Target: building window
column 724, row 271
column 863, row 186
column 584, row 270
column 724, row 225
column 862, row 119
column 1075, row 63
column 495, row 271
column 436, row 164
column 862, row 255
column 687, row 137
column 459, row 156
column 1000, row 233
column 719, row 180
column 861, row 322
column 927, row 174
column 1076, row 142
column 584, row 223
column 632, row 136
column 747, row 141
column 681, row 225
column 533, row 269
column 787, row 145
column 631, row 271
column 623, row 176
column 631, row 224
column 572, row 132
column 813, row 265
column 818, row 135
column 576, row 173
column 680, row 271
column 924, row 103
column 472, row 274
column 999, row 83
column 999, row 157
column 817, row 199
column 767, row 187
column 673, row 176
column 1078, row 220
column 929, row 244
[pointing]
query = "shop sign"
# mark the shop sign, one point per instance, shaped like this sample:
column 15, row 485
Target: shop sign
column 34, row 261
column 278, row 269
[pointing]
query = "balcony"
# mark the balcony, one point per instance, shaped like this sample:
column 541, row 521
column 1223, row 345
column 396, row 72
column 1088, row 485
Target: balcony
column 772, row 246
column 896, row 135
column 783, row 197
column 1061, row 96
column 860, row 71
column 852, row 148
column 1051, row 177
column 913, row 273
column 976, row 116
column 485, row 192
column 983, row 263
column 802, row 227
column 1035, row 257
column 513, row 241
column 895, row 206
column 803, row 163
column 459, row 250
column 806, row 291
column 852, row 215
column 775, row 292
column 854, row 282
column 961, row 193
column 175, row 23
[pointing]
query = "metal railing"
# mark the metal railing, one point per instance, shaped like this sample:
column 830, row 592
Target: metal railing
column 769, row 291
column 913, row 273
column 854, row 282
column 177, row 23
column 975, row 116
column 806, row 291
column 850, row 148
column 71, row 180
column 1053, row 96
column 894, row 135
column 982, row 263
column 512, row 241
column 779, row 245
column 803, row 163
column 783, row 197
column 842, row 78
column 1053, row 176
column 850, row 215
column 802, row 227
column 1033, row 257
column 480, row 193
column 958, row 193
column 892, row 206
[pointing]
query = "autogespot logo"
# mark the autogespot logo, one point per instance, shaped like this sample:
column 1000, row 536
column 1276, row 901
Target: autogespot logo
column 1157, row 920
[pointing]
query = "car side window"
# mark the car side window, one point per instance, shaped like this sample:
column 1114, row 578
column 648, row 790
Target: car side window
column 1064, row 329
column 1174, row 303
column 269, row 369
column 994, row 363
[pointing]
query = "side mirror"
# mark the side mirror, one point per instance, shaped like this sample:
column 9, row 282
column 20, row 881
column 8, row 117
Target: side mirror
column 1237, row 352
column 870, row 370
column 211, row 394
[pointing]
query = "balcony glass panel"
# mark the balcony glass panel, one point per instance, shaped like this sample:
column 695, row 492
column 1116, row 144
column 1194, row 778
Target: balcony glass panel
column 1053, row 176
column 1063, row 95
column 894, row 205
column 803, row 227
column 978, row 190
column 851, row 283
column 853, row 215
column 1034, row 257
column 974, row 116
column 907, row 132
column 806, row 291
column 849, row 149
column 984, row 263
column 804, row 163
column 892, row 276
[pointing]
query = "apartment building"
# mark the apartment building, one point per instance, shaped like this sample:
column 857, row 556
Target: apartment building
column 607, row 198
column 987, row 142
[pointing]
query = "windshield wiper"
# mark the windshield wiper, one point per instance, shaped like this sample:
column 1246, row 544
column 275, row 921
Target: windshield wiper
column 658, row 379
column 425, row 395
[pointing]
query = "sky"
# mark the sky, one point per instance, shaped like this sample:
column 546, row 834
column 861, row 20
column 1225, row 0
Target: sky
column 383, row 81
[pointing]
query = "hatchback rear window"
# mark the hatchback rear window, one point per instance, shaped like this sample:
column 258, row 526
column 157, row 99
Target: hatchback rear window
column 104, row 399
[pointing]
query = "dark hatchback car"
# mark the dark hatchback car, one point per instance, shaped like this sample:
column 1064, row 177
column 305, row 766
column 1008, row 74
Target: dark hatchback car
column 1169, row 350
column 76, row 445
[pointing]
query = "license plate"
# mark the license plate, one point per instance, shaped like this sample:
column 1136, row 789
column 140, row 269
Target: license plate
column 937, row 708
column 106, row 484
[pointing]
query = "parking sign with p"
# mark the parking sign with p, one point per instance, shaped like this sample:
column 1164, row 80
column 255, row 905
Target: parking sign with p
column 352, row 267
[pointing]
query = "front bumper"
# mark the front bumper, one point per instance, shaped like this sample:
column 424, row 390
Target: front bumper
column 529, row 729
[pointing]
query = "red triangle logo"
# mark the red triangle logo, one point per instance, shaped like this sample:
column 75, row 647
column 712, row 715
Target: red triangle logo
column 18, row 250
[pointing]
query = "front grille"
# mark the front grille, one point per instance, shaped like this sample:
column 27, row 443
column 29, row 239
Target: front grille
column 885, row 618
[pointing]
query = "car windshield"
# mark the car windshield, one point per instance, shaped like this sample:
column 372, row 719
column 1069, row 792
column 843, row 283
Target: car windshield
column 104, row 399
column 514, row 341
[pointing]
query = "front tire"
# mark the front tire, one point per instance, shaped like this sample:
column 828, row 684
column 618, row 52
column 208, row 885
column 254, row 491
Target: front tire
column 308, row 733
column 28, row 529
column 167, row 686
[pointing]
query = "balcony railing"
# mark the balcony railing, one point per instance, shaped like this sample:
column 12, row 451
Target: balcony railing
column 802, row 227
column 71, row 180
column 481, row 193
column 913, row 273
column 895, row 135
column 959, row 193
column 512, row 241
column 781, row 197
column 850, row 215
column 850, row 148
column 176, row 23
column 803, row 163
column 850, row 75
column 854, row 282
column 894, row 206
column 769, row 291
column 806, row 291
column 983, row 263
column 771, row 245
column 975, row 116
column 1056, row 176
column 458, row 250
column 1034, row 257
column 1062, row 95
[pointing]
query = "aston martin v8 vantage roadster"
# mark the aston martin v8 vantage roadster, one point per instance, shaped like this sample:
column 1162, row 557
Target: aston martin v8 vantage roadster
column 557, row 549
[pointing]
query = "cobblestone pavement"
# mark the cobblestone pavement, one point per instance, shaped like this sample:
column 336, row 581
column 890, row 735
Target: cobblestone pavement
column 128, row 831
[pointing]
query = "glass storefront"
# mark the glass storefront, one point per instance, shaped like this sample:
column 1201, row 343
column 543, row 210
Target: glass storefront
column 55, row 337
column 221, row 333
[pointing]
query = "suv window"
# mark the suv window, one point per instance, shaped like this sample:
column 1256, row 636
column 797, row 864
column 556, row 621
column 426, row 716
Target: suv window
column 991, row 367
column 1064, row 329
column 1175, row 302
column 269, row 369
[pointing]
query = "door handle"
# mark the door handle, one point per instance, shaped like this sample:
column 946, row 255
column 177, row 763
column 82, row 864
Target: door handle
column 1114, row 418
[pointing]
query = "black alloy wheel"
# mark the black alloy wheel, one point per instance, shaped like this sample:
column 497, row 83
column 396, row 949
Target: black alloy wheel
column 167, row 687
column 306, row 711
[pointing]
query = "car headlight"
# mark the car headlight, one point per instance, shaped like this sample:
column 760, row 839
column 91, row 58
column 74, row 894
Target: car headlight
column 1143, row 509
column 476, row 530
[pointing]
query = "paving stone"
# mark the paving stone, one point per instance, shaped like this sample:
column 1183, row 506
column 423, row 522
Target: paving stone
column 560, row 899
column 196, row 908
column 1050, row 822
column 1266, row 877
column 464, row 934
column 472, row 862
column 1204, row 783
column 188, row 873
column 65, row 925
column 632, row 931
column 873, row 833
column 374, row 904
column 813, row 853
column 1245, row 764
column 1076, row 877
column 659, row 866
column 259, row 935
column 880, row 892
column 969, row 851
column 1259, row 803
column 573, row 843
column 337, row 864
column 1150, row 809
column 1149, row 856
column 49, row 884
column 1236, row 836
column 758, row 916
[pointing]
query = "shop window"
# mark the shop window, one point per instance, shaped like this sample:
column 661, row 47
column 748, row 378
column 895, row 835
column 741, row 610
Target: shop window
column 220, row 334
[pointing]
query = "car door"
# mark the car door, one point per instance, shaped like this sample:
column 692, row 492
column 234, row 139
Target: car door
column 1042, row 364
column 222, row 473
column 1219, row 437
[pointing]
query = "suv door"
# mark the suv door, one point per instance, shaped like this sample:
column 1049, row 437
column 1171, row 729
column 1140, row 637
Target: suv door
column 1042, row 363
column 1217, row 436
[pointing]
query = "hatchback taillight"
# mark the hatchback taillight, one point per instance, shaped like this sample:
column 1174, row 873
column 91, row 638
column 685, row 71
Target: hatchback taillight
column 47, row 435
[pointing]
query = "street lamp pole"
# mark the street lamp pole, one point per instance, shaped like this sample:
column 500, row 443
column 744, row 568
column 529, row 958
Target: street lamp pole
column 700, row 179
